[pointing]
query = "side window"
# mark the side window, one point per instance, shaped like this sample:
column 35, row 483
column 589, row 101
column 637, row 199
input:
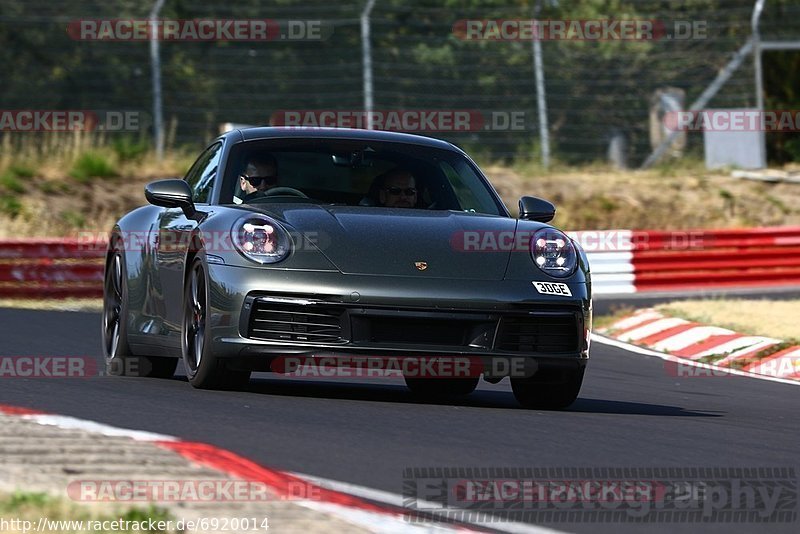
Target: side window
column 203, row 173
column 468, row 188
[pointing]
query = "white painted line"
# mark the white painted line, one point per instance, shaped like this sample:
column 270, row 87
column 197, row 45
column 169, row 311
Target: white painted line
column 394, row 499
column 652, row 328
column 690, row 337
column 597, row 338
column 73, row 423
column 375, row 522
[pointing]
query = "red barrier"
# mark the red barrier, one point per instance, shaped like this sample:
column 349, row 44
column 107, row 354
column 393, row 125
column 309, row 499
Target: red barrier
column 699, row 259
column 648, row 261
column 51, row 268
column 50, row 249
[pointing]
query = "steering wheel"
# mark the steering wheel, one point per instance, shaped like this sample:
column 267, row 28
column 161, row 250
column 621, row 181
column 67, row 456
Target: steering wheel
column 275, row 191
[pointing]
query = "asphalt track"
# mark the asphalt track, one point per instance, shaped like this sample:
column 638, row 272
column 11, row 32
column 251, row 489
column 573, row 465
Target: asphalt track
column 631, row 413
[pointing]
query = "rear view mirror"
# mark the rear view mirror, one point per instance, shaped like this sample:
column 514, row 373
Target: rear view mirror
column 536, row 209
column 170, row 194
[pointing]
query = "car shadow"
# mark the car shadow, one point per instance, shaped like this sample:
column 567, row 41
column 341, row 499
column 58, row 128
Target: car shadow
column 482, row 398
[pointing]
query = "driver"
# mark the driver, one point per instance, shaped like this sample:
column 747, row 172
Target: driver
column 260, row 174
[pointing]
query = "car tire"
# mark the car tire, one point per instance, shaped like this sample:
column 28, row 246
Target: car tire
column 549, row 389
column 442, row 386
column 203, row 369
column 118, row 358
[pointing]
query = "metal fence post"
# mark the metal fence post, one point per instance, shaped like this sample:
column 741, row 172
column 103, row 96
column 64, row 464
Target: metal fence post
column 366, row 59
column 541, row 100
column 155, row 65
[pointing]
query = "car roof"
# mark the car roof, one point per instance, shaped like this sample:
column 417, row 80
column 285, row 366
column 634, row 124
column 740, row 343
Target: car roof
column 250, row 134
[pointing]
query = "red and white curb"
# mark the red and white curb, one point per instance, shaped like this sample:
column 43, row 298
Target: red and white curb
column 687, row 342
column 375, row 510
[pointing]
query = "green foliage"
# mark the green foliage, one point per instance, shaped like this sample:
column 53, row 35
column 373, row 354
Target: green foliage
column 11, row 183
column 129, row 149
column 10, row 206
column 53, row 187
column 22, row 171
column 27, row 506
column 20, row 499
column 73, row 219
column 418, row 63
column 92, row 165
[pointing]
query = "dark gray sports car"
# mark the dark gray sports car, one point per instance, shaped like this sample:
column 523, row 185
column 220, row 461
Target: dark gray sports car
column 286, row 248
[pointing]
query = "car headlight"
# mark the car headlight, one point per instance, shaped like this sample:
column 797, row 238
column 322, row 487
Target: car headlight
column 553, row 252
column 261, row 239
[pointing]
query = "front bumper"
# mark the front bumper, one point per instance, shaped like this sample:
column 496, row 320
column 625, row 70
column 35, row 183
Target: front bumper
column 258, row 315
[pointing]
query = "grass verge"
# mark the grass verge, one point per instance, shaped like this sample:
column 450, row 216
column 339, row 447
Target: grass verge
column 26, row 510
column 758, row 317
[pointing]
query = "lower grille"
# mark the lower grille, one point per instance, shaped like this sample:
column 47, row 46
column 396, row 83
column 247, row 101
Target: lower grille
column 540, row 334
column 295, row 322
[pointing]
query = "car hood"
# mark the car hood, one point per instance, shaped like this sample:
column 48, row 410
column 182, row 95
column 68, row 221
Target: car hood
column 396, row 242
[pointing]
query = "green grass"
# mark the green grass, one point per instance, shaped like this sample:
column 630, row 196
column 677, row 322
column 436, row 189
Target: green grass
column 10, row 206
column 92, row 165
column 9, row 182
column 27, row 506
column 129, row 149
column 73, row 218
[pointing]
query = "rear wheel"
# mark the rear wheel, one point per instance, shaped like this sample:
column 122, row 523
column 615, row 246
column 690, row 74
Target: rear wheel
column 203, row 369
column 549, row 389
column 442, row 386
column 119, row 360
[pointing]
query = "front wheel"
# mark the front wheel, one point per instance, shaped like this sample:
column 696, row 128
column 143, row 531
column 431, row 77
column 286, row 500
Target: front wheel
column 203, row 369
column 549, row 389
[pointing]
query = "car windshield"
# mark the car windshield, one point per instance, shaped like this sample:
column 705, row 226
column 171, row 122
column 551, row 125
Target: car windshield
column 355, row 173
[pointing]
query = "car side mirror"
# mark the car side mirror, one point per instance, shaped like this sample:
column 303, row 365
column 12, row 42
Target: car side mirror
column 172, row 193
column 536, row 209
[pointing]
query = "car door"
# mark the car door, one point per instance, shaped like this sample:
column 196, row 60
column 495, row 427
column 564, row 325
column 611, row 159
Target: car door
column 174, row 233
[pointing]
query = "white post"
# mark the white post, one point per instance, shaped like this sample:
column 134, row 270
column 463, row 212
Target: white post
column 541, row 100
column 155, row 65
column 757, row 9
column 366, row 59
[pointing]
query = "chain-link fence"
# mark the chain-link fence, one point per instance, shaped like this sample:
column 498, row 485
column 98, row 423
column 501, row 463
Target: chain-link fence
column 599, row 92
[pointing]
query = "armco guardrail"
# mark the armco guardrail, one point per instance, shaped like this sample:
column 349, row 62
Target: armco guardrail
column 631, row 261
column 622, row 261
column 51, row 268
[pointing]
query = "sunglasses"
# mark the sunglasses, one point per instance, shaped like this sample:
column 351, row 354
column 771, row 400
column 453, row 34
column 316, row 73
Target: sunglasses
column 255, row 180
column 395, row 191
